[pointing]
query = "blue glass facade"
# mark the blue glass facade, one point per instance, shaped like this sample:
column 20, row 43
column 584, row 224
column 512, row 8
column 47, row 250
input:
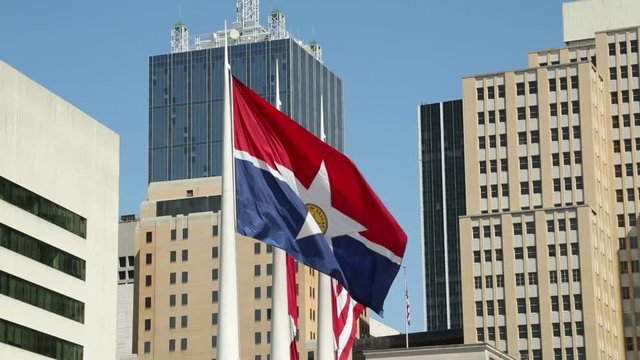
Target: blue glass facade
column 443, row 201
column 186, row 101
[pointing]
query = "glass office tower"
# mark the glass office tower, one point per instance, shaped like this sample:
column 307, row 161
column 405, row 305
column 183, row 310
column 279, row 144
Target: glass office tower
column 186, row 101
column 443, row 200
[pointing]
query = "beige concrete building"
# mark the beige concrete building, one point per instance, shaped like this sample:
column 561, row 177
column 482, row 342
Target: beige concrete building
column 443, row 352
column 540, row 234
column 58, row 226
column 177, row 275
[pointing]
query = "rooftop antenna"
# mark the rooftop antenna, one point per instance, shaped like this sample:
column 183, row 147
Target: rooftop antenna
column 277, row 25
column 248, row 12
column 179, row 38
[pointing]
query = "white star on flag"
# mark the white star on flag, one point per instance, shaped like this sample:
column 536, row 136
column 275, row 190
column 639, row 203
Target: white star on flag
column 319, row 193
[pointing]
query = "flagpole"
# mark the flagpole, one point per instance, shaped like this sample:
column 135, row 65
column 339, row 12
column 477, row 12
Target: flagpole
column 406, row 307
column 325, row 327
column 280, row 315
column 228, row 335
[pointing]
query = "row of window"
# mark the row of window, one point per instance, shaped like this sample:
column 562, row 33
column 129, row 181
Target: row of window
column 557, row 186
column 566, row 158
column 633, row 220
column 624, row 96
column 624, row 72
column 624, row 266
column 626, row 120
column 553, row 83
column 491, row 93
column 38, row 342
column 42, row 252
column 43, row 208
column 491, row 334
column 504, row 166
column 174, row 234
column 491, row 118
column 529, row 226
column 41, row 297
column 631, row 194
column 184, row 344
column 618, row 145
column 622, row 46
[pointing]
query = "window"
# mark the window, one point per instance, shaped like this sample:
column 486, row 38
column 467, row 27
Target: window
column 574, row 82
column 522, row 138
column 43, row 208
column 566, row 302
column 517, row 229
column 533, row 112
column 522, row 113
column 148, row 259
column 214, row 274
column 172, row 256
column 502, row 114
column 184, row 299
column 477, row 282
column 524, row 188
column 173, row 234
column 214, row 296
column 577, row 302
column 553, row 111
column 612, row 48
column 214, row 252
column 575, row 249
column 483, row 167
column 501, row 91
column 534, row 304
column 172, row 322
column 522, row 331
column 533, row 87
column 490, row 309
column 256, row 270
column 172, row 278
column 490, row 92
column 556, row 329
column 214, row 319
column 520, row 279
column 531, row 228
column 519, row 253
column 499, row 281
column 488, row 281
column 172, row 344
column 480, row 334
column 564, row 275
column 183, row 344
column 476, row 256
column 184, row 321
column 555, row 159
column 257, row 292
column 185, row 255
column 531, row 252
column 623, row 47
column 147, row 324
column 552, row 85
column 553, row 276
column 147, row 280
column 563, row 83
column 256, row 248
column 147, row 302
column 501, row 307
column 613, row 73
column 258, row 338
column 499, row 256
column 185, row 233
column 172, row 300
column 575, row 107
column 257, row 315
column 480, row 93
column 533, row 278
column 555, row 304
column 535, row 331
column 185, row 277
column 522, row 306
column 537, row 186
column 567, row 329
column 519, row 88
column 214, row 230
column 149, row 237
column 480, row 117
column 492, row 117
column 147, row 347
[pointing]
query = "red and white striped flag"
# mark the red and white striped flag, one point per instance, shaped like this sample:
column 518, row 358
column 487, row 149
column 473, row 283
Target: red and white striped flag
column 293, row 306
column 346, row 312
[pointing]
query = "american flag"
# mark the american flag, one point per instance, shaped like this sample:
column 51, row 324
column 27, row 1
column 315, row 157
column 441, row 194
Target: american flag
column 293, row 307
column 346, row 312
column 406, row 296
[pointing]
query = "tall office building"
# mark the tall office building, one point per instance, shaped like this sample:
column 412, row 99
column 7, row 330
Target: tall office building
column 176, row 309
column 607, row 34
column 58, row 226
column 539, row 235
column 443, row 200
column 186, row 90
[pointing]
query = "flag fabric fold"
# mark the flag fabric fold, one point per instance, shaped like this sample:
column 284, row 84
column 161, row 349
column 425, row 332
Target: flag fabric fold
column 295, row 192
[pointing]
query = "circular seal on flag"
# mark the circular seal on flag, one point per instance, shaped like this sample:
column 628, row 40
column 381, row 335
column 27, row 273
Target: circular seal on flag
column 319, row 216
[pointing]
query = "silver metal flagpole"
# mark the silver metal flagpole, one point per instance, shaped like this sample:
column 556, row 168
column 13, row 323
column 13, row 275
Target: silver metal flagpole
column 228, row 344
column 326, row 349
column 280, row 333
column 406, row 309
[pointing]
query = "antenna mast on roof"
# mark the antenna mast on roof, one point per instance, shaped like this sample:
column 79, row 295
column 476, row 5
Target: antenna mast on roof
column 248, row 12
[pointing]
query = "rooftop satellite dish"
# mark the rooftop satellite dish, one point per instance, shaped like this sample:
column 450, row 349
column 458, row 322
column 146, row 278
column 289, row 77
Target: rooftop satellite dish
column 234, row 34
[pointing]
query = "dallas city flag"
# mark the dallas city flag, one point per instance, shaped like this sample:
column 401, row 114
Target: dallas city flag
column 295, row 192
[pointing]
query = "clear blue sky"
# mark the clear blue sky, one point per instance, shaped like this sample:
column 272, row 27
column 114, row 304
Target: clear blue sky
column 391, row 55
